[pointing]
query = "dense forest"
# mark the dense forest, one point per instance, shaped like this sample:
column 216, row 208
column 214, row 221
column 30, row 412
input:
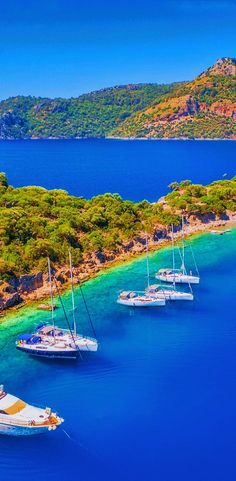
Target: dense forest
column 202, row 108
column 35, row 222
column 90, row 115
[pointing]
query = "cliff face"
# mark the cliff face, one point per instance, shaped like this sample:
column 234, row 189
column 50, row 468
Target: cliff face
column 203, row 108
column 225, row 67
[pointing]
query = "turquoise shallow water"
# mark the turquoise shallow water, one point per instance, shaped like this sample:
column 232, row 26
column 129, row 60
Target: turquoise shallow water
column 158, row 399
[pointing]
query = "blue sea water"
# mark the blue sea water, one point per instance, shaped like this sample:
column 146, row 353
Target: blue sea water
column 157, row 402
column 134, row 169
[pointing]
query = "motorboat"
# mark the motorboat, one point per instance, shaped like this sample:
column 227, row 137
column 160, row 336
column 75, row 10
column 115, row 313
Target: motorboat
column 17, row 418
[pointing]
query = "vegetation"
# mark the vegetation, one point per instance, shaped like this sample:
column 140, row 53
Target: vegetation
column 203, row 108
column 35, row 222
column 90, row 115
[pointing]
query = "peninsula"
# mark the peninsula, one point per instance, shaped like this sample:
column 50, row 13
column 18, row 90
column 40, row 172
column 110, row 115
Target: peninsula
column 36, row 223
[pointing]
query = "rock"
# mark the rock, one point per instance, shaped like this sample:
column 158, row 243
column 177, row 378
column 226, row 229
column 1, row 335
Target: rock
column 160, row 234
column 141, row 240
column 129, row 246
column 100, row 256
column 9, row 300
column 30, row 282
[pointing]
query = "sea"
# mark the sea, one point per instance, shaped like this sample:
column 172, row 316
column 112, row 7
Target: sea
column 137, row 170
column 157, row 401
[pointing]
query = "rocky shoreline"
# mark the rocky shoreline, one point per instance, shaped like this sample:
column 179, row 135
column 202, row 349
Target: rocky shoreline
column 18, row 292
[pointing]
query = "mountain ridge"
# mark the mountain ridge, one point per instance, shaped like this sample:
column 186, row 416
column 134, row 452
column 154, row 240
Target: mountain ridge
column 202, row 108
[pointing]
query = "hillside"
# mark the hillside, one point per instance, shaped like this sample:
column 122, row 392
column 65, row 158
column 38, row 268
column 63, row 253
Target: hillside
column 35, row 223
column 90, row 115
column 202, row 108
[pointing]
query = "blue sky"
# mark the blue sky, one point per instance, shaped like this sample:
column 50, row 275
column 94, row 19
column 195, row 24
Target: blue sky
column 67, row 47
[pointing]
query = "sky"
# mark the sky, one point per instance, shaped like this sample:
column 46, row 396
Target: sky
column 62, row 48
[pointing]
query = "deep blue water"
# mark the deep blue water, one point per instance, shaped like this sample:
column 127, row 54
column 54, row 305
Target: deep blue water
column 134, row 169
column 157, row 402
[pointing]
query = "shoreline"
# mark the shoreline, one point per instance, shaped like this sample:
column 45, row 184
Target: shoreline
column 33, row 299
column 175, row 139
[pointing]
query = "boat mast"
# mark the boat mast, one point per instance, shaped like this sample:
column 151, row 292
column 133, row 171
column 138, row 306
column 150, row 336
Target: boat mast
column 72, row 293
column 173, row 252
column 51, row 296
column 147, row 260
column 183, row 259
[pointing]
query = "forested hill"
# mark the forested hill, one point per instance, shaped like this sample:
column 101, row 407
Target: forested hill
column 35, row 222
column 90, row 115
column 202, row 108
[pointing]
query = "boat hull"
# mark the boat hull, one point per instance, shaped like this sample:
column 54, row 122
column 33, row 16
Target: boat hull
column 139, row 303
column 49, row 354
column 177, row 296
column 87, row 347
column 184, row 279
column 10, row 430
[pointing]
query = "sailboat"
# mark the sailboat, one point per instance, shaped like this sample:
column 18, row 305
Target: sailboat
column 17, row 418
column 52, row 345
column 140, row 298
column 179, row 276
column 170, row 293
column 84, row 343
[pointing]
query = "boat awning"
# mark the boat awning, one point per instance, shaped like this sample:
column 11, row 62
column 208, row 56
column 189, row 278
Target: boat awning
column 29, row 339
column 46, row 330
column 15, row 408
column 40, row 326
column 127, row 294
column 165, row 271
column 25, row 337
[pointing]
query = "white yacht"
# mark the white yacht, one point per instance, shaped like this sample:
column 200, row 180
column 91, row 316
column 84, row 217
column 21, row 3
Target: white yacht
column 69, row 336
column 169, row 293
column 140, row 298
column 136, row 299
column 17, row 418
column 49, row 346
column 46, row 332
column 178, row 276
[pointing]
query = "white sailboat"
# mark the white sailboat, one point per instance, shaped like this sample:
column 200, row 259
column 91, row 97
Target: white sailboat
column 169, row 293
column 138, row 298
column 17, row 418
column 52, row 345
column 83, row 343
column 178, row 276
